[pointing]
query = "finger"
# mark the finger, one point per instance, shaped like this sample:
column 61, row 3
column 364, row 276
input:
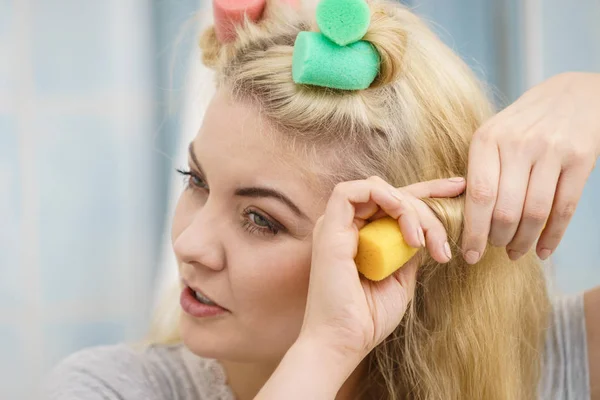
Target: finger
column 568, row 192
column 537, row 206
column 514, row 178
column 364, row 212
column 340, row 212
column 409, row 222
column 435, row 233
column 368, row 211
column 379, row 214
column 450, row 187
column 404, row 225
column 436, row 188
column 482, row 188
column 409, row 219
column 407, row 276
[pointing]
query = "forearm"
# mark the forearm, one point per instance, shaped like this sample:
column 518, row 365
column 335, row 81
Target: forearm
column 592, row 318
column 308, row 371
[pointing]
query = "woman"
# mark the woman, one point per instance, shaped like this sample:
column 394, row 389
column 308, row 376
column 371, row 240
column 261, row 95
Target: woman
column 281, row 176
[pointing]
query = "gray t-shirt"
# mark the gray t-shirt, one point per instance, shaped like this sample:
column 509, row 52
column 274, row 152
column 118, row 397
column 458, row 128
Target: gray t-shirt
column 173, row 373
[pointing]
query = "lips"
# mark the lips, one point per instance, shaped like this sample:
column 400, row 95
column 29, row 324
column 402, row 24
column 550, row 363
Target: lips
column 201, row 294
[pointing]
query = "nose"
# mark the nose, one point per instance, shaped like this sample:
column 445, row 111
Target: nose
column 199, row 242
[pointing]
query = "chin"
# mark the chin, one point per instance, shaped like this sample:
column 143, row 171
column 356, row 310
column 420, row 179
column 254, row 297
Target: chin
column 209, row 337
column 220, row 338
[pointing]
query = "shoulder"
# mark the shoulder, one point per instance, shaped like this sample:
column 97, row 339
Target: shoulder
column 565, row 364
column 119, row 371
column 131, row 373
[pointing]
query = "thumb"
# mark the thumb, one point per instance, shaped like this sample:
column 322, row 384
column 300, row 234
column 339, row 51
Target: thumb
column 406, row 276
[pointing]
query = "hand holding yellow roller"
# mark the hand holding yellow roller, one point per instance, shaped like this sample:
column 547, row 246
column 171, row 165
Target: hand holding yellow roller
column 381, row 246
column 340, row 301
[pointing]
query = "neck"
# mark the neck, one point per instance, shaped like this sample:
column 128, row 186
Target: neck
column 246, row 379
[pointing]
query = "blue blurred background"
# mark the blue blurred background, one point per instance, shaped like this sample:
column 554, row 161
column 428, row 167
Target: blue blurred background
column 91, row 121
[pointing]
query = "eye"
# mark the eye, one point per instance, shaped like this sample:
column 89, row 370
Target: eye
column 197, row 181
column 254, row 222
column 259, row 220
column 193, row 180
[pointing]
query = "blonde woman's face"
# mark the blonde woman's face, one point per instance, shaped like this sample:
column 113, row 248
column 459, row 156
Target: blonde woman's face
column 242, row 235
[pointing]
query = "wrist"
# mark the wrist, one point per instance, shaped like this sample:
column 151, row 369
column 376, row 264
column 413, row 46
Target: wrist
column 331, row 355
column 310, row 369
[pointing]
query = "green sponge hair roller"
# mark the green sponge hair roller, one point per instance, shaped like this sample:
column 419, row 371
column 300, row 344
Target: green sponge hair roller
column 343, row 21
column 318, row 61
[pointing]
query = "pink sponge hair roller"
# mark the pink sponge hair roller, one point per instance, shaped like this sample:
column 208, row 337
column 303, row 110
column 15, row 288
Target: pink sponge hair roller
column 229, row 13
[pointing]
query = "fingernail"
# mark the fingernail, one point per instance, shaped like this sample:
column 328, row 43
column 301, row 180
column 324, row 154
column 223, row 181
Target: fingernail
column 421, row 236
column 471, row 257
column 514, row 255
column 457, row 179
column 447, row 250
column 545, row 253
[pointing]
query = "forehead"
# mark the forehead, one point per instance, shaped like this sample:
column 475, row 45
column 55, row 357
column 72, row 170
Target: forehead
column 239, row 146
column 236, row 130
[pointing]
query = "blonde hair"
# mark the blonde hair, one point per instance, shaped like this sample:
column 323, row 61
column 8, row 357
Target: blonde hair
column 471, row 332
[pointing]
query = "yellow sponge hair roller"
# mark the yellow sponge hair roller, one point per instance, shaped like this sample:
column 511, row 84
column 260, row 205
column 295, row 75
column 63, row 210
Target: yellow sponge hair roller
column 382, row 249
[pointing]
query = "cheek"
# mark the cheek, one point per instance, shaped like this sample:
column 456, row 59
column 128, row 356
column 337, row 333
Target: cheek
column 274, row 291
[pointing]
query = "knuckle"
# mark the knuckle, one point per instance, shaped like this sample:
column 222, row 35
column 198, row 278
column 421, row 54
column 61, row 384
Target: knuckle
column 537, row 214
column 544, row 145
column 506, row 216
column 578, row 154
column 482, row 194
column 381, row 183
column 423, row 208
column 521, row 149
column 549, row 143
column 508, row 131
column 484, row 135
column 510, row 140
column 404, row 209
column 340, row 188
column 538, row 145
column 567, row 210
column 424, row 213
column 528, row 143
column 376, row 179
column 489, row 131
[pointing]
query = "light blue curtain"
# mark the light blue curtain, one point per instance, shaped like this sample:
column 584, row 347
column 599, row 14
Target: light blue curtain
column 488, row 36
column 82, row 178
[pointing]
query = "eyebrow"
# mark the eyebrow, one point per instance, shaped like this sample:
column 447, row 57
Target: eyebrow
column 254, row 192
